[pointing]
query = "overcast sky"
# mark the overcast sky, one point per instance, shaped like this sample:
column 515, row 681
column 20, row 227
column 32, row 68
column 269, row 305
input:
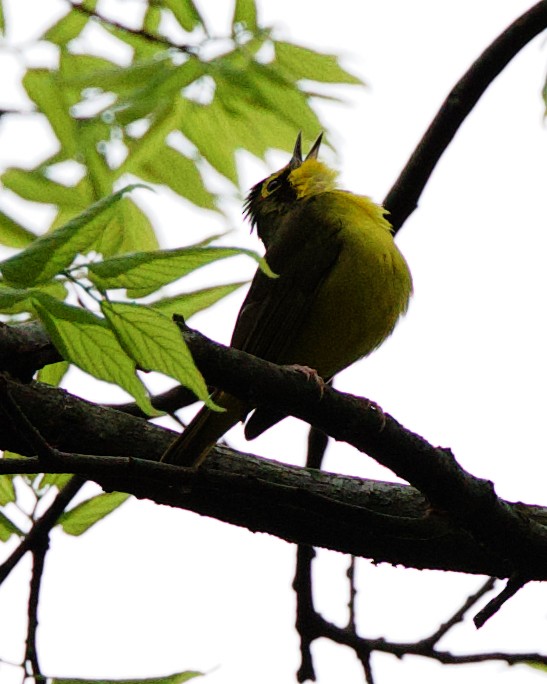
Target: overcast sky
column 151, row 591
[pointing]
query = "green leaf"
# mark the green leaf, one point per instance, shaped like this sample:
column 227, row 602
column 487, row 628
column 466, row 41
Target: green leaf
column 178, row 678
column 14, row 301
column 179, row 173
column 50, row 254
column 189, row 303
column 7, row 490
column 2, row 20
column 245, row 13
column 44, row 88
column 155, row 342
column 129, row 230
column 159, row 95
column 13, row 234
column 152, row 19
column 58, row 480
column 53, row 373
column 68, row 27
column 94, row 135
column 258, row 129
column 145, row 272
column 276, row 93
column 86, row 341
column 302, row 63
column 185, row 13
column 8, row 529
column 83, row 516
column 34, row 186
column 10, row 296
column 205, row 126
column 86, row 71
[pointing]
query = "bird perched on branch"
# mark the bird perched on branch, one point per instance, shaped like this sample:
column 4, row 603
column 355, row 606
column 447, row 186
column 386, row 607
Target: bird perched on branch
column 342, row 285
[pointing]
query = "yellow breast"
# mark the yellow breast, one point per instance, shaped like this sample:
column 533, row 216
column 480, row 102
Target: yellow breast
column 365, row 293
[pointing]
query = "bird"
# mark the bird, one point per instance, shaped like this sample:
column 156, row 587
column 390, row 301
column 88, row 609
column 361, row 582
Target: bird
column 341, row 287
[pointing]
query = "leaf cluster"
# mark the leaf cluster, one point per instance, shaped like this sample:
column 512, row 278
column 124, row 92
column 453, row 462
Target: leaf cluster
column 182, row 102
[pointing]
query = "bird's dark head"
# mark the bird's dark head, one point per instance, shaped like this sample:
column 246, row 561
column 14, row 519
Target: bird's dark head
column 276, row 195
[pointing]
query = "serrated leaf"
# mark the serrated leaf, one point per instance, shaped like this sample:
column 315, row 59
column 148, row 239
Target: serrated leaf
column 130, row 230
column 190, row 303
column 205, row 125
column 179, row 173
column 8, row 529
column 178, row 678
column 50, row 254
column 34, row 186
column 278, row 94
column 155, row 342
column 13, row 234
column 43, row 88
column 303, row 63
column 185, row 13
column 145, row 272
column 83, row 516
column 58, row 480
column 85, row 340
column 7, row 490
column 258, row 129
column 53, row 373
column 245, row 13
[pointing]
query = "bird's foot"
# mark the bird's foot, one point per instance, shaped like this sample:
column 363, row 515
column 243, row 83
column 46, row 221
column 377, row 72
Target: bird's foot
column 311, row 374
column 380, row 411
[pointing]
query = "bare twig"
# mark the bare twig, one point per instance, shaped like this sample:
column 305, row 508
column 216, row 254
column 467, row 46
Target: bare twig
column 306, row 622
column 42, row 527
column 459, row 615
column 513, row 585
column 39, row 552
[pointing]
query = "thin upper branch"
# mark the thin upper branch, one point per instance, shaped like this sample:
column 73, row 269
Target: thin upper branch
column 403, row 197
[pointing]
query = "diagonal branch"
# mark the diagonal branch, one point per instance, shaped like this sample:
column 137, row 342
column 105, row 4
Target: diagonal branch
column 377, row 520
column 403, row 197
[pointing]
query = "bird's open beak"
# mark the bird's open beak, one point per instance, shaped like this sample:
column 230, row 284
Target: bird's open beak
column 296, row 159
column 312, row 154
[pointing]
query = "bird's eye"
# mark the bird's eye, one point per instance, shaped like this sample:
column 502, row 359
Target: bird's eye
column 274, row 185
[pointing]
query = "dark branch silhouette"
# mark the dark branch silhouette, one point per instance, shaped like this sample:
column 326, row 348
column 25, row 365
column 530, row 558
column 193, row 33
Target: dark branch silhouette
column 403, row 197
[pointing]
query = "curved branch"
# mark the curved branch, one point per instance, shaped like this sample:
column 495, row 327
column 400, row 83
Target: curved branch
column 403, row 197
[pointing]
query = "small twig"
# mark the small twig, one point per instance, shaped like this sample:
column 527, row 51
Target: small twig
column 352, row 623
column 367, row 667
column 317, row 445
column 39, row 552
column 42, row 527
column 306, row 617
column 513, row 585
column 140, row 33
column 459, row 615
column 169, row 401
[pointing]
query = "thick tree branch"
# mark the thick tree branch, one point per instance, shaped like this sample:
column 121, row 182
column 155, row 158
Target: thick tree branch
column 385, row 522
column 403, row 197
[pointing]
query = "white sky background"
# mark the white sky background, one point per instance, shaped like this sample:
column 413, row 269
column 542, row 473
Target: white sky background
column 152, row 590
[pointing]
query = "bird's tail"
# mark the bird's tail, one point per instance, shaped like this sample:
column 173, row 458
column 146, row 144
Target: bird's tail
column 207, row 427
